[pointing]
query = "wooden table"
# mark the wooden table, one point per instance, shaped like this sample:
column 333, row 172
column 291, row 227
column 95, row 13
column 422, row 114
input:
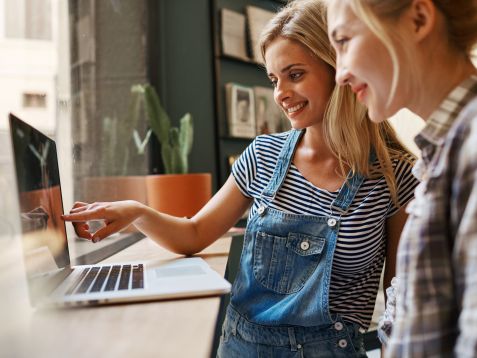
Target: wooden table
column 176, row 328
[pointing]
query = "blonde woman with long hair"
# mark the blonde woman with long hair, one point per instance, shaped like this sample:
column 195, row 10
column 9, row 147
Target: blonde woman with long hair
column 417, row 54
column 326, row 202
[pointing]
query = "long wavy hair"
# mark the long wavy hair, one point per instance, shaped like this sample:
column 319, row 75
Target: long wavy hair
column 348, row 131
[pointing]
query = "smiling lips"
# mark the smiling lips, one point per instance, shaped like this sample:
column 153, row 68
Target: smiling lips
column 360, row 91
column 296, row 108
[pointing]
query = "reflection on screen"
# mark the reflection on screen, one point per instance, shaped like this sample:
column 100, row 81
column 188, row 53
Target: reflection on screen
column 44, row 235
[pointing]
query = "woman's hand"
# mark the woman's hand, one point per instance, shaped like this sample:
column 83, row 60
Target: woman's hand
column 116, row 216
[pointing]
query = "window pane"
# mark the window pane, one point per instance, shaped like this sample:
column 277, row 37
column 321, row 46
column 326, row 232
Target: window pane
column 67, row 68
column 28, row 19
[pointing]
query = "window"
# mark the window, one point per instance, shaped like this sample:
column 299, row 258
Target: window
column 67, row 68
column 34, row 100
column 28, row 19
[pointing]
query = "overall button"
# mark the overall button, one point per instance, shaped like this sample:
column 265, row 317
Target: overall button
column 343, row 343
column 331, row 222
column 261, row 210
column 305, row 245
column 338, row 326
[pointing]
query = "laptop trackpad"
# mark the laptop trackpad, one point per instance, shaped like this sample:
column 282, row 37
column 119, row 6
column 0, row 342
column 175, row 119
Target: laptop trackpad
column 168, row 272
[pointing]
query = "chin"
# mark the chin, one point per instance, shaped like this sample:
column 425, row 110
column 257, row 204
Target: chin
column 296, row 125
column 376, row 116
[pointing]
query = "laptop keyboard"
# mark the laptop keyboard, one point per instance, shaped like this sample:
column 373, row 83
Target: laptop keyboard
column 108, row 278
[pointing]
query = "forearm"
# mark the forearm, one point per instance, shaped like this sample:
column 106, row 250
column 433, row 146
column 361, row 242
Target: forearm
column 176, row 234
column 189, row 236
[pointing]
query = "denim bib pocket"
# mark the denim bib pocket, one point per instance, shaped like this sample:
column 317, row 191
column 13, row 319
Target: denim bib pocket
column 284, row 264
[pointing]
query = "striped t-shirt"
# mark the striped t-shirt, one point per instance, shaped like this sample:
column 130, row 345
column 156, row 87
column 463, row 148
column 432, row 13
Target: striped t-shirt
column 361, row 245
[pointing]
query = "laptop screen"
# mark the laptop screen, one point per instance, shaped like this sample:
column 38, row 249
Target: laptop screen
column 44, row 239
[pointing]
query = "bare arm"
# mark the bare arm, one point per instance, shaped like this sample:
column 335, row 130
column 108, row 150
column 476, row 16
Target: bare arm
column 188, row 236
column 180, row 235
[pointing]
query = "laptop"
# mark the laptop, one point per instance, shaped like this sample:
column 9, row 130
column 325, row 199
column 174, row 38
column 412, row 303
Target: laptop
column 52, row 279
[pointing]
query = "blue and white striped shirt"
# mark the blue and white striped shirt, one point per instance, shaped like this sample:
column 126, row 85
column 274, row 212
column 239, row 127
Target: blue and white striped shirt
column 360, row 250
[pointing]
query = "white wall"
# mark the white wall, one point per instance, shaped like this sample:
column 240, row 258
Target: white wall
column 28, row 67
column 32, row 66
column 407, row 125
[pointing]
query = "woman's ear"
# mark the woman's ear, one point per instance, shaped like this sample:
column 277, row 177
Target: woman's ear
column 423, row 17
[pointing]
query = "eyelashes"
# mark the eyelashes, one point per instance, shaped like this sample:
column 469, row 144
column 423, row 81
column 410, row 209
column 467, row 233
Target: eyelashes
column 292, row 76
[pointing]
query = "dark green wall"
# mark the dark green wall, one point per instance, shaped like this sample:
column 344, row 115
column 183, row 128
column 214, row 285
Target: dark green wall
column 184, row 67
column 180, row 66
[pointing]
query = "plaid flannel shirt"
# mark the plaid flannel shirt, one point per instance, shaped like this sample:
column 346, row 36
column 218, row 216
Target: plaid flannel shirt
column 436, row 303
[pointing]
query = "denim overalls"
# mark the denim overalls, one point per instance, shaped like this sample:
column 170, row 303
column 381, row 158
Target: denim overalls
column 279, row 300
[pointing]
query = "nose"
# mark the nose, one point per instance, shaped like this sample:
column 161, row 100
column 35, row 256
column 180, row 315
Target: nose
column 282, row 92
column 342, row 74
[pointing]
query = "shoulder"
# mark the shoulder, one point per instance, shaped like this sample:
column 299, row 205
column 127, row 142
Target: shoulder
column 462, row 139
column 263, row 149
column 465, row 126
column 403, row 161
column 275, row 138
column 269, row 143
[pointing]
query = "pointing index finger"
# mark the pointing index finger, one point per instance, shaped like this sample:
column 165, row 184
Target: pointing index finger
column 81, row 216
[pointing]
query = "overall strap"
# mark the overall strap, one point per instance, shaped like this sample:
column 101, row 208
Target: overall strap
column 350, row 188
column 347, row 193
column 283, row 164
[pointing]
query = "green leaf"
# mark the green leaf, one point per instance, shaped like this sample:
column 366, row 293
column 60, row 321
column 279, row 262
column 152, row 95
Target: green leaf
column 186, row 133
column 158, row 118
column 166, row 153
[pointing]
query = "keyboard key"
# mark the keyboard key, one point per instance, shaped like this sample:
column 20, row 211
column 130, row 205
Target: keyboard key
column 138, row 276
column 88, row 280
column 77, row 282
column 113, row 278
column 98, row 283
column 124, row 280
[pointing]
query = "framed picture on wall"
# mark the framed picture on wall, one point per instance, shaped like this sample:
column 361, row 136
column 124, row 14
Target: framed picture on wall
column 257, row 19
column 269, row 117
column 240, row 110
column 233, row 34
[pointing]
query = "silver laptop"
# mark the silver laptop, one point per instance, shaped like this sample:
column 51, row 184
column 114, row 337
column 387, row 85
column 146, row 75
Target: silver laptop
column 52, row 280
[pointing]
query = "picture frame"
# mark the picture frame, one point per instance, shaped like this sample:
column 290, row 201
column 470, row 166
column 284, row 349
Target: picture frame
column 257, row 19
column 240, row 110
column 233, row 34
column 269, row 117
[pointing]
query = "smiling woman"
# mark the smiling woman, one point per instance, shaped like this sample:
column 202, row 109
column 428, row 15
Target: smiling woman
column 333, row 150
column 417, row 54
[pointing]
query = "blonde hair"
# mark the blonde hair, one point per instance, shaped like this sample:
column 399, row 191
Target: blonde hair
column 380, row 16
column 349, row 133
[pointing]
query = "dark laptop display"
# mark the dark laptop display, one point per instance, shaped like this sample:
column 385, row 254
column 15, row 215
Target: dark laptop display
column 38, row 179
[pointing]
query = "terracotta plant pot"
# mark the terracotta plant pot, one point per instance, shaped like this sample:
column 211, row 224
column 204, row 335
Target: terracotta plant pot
column 114, row 188
column 180, row 195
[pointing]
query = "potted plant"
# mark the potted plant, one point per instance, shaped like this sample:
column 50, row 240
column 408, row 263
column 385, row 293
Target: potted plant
column 177, row 192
